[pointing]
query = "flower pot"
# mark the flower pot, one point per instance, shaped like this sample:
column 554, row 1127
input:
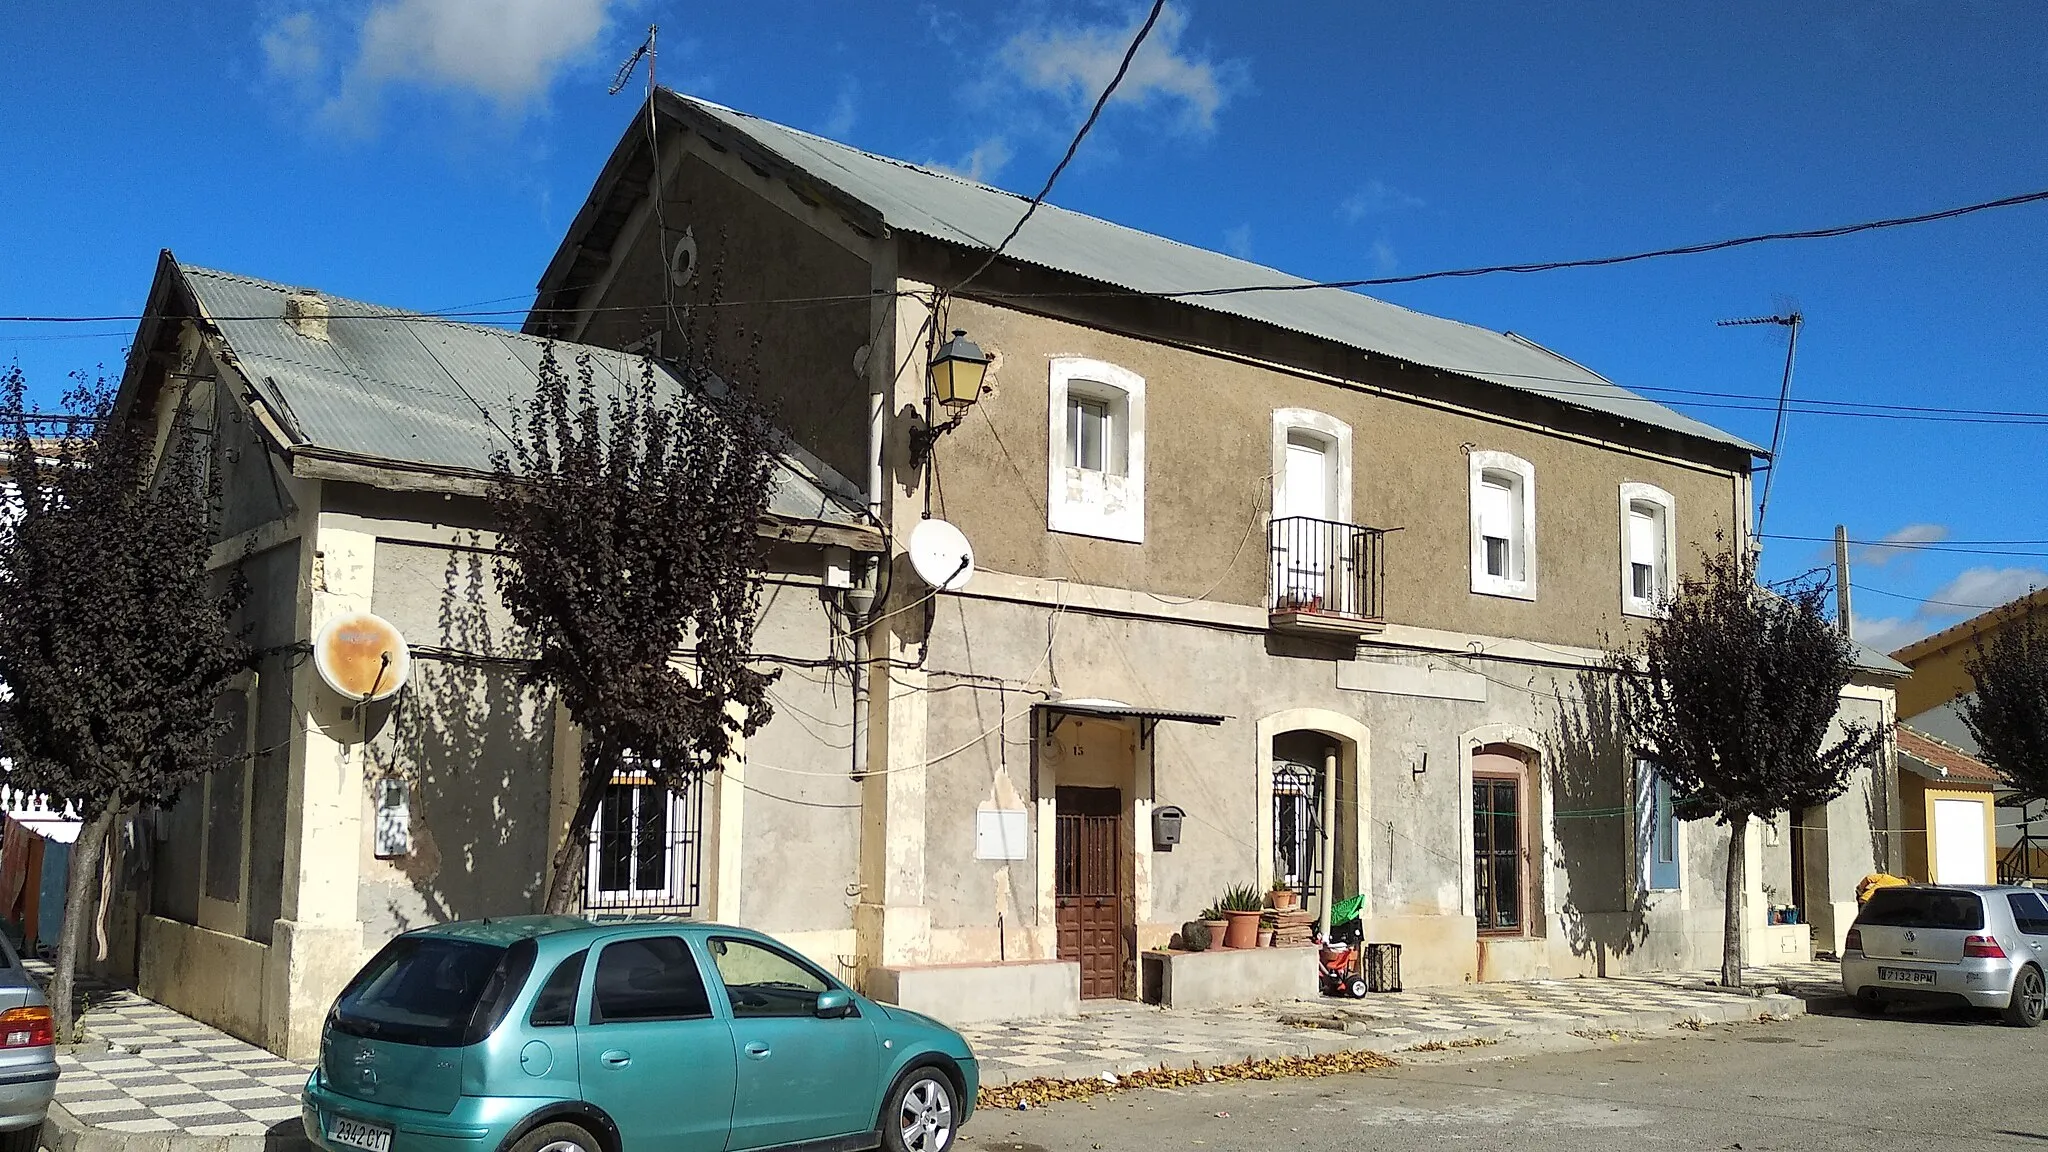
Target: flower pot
column 1216, row 930
column 1243, row 931
column 1265, row 937
column 1285, row 899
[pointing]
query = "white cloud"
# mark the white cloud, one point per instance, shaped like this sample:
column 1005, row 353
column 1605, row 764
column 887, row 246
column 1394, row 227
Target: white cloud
column 1988, row 587
column 1376, row 198
column 987, row 159
column 292, row 47
column 507, row 51
column 1383, row 256
column 1238, row 241
column 1077, row 62
column 1893, row 545
column 838, row 123
column 1971, row 592
column 1891, row 633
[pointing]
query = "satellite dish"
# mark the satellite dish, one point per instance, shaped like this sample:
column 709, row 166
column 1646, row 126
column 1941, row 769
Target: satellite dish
column 362, row 657
column 941, row 556
column 682, row 262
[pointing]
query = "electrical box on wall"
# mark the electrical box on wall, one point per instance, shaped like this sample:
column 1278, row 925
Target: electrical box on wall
column 1001, row 833
column 838, row 567
column 394, row 819
column 1166, row 828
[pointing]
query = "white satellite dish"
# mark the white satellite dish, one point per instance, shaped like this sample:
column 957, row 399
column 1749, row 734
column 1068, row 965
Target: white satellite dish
column 941, row 555
column 682, row 262
column 362, row 657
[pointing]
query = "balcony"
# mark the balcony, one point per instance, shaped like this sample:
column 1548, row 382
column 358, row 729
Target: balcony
column 1325, row 578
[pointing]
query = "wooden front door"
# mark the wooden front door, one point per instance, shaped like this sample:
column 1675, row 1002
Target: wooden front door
column 1088, row 886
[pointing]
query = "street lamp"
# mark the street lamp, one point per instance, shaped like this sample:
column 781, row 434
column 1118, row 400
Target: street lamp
column 957, row 371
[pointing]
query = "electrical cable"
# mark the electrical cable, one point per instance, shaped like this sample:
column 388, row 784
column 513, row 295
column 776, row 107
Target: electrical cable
column 1073, row 146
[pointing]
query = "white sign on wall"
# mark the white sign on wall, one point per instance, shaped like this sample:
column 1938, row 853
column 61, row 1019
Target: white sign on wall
column 1001, row 833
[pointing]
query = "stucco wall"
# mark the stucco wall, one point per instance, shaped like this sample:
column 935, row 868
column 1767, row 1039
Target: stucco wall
column 1208, row 447
column 804, row 363
column 801, row 827
column 1412, row 816
column 474, row 745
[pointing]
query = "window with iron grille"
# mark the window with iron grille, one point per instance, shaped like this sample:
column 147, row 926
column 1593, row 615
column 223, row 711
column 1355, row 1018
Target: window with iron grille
column 1297, row 820
column 646, row 846
column 1497, row 852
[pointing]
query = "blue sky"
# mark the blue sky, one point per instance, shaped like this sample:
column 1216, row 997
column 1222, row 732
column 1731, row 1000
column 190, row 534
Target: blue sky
column 429, row 154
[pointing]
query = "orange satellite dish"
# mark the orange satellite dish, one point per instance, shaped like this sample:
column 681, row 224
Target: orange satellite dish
column 362, row 656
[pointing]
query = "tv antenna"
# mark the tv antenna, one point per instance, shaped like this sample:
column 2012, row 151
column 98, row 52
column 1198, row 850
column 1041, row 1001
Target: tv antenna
column 1790, row 319
column 646, row 49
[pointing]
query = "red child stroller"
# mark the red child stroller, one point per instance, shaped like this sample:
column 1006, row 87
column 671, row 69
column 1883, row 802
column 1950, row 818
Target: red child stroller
column 1342, row 956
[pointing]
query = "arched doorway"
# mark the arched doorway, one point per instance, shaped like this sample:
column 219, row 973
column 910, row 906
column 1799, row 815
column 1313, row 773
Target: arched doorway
column 1312, row 804
column 1501, row 811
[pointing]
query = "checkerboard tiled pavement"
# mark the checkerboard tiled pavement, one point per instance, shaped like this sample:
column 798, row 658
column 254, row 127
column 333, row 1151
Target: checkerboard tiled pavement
column 1124, row 1038
column 165, row 1073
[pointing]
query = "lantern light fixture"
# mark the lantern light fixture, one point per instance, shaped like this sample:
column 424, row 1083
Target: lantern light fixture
column 958, row 369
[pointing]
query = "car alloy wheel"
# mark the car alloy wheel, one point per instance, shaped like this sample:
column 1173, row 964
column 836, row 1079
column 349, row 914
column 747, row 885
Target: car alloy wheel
column 924, row 1120
column 2029, row 999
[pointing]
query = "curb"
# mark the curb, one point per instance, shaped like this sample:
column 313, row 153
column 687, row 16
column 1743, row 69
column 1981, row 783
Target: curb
column 63, row 1132
column 1316, row 1042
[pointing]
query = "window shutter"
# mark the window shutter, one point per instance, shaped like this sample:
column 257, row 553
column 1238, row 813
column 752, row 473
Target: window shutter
column 1643, row 545
column 1496, row 509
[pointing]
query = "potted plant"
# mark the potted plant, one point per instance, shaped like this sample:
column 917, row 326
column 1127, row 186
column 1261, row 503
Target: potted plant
column 1215, row 921
column 1243, row 905
column 1267, row 925
column 1285, row 899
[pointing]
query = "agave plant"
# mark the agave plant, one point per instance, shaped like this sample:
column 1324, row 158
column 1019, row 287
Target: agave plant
column 1242, row 898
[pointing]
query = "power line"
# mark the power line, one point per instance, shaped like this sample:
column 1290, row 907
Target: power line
column 1936, row 549
column 1630, row 258
column 1902, row 544
column 1923, row 600
column 1073, row 146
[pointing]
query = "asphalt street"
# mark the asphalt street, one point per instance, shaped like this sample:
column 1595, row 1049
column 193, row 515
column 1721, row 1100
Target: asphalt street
column 1920, row 1081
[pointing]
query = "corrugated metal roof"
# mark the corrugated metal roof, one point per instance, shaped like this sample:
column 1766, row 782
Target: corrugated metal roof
column 1116, row 710
column 392, row 385
column 950, row 208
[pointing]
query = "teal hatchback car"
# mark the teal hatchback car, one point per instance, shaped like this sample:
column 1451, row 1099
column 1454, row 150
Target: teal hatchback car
column 551, row 1034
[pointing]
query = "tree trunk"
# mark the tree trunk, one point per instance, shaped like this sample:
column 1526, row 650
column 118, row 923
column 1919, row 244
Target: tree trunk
column 81, row 899
column 565, row 887
column 1731, row 927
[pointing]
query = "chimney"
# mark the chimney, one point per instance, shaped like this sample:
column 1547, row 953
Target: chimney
column 306, row 312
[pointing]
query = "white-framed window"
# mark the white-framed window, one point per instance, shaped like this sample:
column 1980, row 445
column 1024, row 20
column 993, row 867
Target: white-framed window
column 1095, row 471
column 1656, row 831
column 1649, row 548
column 1503, row 525
column 1311, row 465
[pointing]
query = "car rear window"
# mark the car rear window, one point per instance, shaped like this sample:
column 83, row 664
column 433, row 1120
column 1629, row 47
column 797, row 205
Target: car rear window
column 1924, row 908
column 434, row 991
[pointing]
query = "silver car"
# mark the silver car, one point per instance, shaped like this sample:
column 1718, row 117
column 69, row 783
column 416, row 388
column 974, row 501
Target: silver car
column 28, row 1055
column 1979, row 945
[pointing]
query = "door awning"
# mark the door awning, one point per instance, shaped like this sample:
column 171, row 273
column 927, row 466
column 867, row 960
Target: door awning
column 1147, row 718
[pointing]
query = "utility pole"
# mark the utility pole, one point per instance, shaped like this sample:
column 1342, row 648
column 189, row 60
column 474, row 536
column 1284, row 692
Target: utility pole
column 1842, row 616
column 1793, row 321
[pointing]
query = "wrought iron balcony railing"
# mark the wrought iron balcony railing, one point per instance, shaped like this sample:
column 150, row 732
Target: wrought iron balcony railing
column 1325, row 576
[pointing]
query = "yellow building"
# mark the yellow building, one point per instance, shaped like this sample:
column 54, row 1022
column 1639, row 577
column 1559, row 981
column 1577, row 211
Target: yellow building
column 1946, row 793
column 1947, row 812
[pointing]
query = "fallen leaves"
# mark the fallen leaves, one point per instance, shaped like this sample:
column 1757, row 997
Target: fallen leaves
column 1043, row 1091
column 1447, row 1045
